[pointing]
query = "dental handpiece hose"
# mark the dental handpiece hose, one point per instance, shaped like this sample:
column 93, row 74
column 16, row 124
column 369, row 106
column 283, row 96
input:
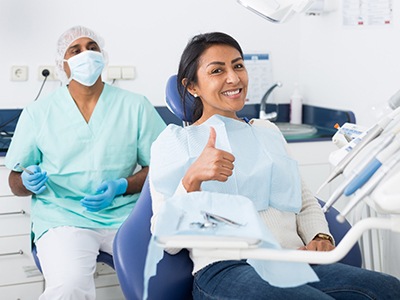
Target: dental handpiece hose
column 355, row 172
column 372, row 167
column 372, row 133
column 369, row 187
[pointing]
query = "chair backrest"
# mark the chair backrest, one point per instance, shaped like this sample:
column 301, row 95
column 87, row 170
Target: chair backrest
column 103, row 257
column 174, row 102
column 174, row 272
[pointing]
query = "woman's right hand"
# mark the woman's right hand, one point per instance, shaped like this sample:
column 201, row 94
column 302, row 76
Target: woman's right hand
column 212, row 164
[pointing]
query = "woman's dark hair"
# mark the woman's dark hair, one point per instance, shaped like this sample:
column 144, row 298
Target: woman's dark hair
column 190, row 61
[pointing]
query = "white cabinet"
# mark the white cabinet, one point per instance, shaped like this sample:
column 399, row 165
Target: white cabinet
column 313, row 159
column 19, row 277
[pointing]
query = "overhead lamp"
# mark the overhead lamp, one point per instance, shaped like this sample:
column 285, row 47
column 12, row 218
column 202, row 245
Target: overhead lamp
column 277, row 11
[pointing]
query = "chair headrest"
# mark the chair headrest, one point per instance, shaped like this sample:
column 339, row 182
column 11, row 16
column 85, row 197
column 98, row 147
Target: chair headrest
column 174, row 102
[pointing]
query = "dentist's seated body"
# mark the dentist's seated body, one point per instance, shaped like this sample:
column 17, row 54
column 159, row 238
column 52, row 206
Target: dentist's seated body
column 80, row 146
column 220, row 153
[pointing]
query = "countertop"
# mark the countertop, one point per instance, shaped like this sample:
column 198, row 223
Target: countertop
column 323, row 119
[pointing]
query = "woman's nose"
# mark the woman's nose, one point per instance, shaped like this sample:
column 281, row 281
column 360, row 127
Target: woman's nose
column 232, row 77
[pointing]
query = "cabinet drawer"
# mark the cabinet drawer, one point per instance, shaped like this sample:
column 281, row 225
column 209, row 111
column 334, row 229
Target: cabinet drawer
column 4, row 187
column 30, row 291
column 16, row 262
column 14, row 215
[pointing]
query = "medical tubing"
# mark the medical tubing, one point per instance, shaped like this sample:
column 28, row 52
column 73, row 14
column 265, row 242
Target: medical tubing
column 339, row 191
column 374, row 132
column 372, row 167
column 363, row 177
column 394, row 113
column 368, row 187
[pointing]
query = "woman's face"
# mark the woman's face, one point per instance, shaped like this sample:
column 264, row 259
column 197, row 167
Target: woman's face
column 222, row 81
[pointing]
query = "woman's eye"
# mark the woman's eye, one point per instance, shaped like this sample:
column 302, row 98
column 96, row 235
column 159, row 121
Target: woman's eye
column 216, row 71
column 239, row 66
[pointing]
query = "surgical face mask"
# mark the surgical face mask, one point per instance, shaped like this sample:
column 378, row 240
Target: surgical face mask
column 86, row 67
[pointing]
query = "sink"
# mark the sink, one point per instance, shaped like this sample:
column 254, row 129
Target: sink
column 296, row 131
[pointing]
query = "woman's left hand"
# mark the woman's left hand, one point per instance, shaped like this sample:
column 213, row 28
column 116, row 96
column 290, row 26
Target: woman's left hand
column 318, row 244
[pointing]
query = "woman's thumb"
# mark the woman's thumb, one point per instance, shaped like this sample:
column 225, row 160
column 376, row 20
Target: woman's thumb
column 212, row 138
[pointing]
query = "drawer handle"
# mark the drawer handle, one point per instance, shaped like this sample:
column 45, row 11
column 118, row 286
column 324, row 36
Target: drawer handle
column 21, row 212
column 20, row 252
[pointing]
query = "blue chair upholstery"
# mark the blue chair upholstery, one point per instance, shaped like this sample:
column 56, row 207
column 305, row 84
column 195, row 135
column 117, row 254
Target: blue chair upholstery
column 174, row 272
column 174, row 103
column 103, row 257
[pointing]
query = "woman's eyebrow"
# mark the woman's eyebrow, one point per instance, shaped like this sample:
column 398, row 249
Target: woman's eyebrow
column 222, row 63
column 237, row 59
column 216, row 63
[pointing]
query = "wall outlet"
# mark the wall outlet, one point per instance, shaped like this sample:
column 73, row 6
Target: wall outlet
column 19, row 73
column 114, row 72
column 52, row 73
column 128, row 72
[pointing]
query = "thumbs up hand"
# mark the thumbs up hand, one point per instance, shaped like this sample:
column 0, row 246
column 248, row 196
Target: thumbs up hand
column 212, row 164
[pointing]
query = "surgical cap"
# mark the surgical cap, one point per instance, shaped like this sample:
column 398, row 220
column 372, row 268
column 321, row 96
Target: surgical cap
column 66, row 39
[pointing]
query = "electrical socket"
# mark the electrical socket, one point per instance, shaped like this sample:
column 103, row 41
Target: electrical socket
column 19, row 73
column 51, row 69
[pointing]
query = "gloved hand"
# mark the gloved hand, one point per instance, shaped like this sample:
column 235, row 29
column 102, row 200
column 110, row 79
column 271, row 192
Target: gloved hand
column 105, row 194
column 34, row 182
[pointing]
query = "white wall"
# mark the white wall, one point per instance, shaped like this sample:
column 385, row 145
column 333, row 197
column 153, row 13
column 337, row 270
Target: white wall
column 336, row 66
column 349, row 67
column 148, row 34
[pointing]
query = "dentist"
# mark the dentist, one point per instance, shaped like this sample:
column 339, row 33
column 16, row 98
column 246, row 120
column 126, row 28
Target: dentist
column 81, row 146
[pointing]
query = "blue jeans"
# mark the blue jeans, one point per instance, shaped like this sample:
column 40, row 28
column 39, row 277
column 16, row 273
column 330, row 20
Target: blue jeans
column 238, row 280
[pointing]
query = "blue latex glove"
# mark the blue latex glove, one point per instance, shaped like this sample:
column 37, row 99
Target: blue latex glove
column 34, row 182
column 105, row 194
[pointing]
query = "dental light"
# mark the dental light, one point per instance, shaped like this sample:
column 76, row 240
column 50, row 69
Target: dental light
column 277, row 11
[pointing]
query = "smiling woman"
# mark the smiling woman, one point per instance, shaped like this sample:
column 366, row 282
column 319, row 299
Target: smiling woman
column 215, row 158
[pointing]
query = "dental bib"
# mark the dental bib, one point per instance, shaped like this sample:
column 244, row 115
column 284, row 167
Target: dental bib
column 263, row 171
column 264, row 175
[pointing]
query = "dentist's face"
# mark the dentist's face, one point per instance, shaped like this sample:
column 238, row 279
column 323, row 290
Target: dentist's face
column 222, row 81
column 78, row 46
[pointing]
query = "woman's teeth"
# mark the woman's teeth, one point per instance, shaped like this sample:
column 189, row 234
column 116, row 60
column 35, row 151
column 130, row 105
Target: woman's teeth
column 231, row 93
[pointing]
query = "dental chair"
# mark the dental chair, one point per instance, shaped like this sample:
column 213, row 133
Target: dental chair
column 174, row 272
column 174, row 279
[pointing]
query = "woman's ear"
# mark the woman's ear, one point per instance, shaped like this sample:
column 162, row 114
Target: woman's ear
column 190, row 87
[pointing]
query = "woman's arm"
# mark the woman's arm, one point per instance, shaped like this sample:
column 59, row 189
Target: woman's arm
column 311, row 221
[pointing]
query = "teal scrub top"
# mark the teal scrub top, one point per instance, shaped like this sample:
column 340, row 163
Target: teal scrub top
column 78, row 156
